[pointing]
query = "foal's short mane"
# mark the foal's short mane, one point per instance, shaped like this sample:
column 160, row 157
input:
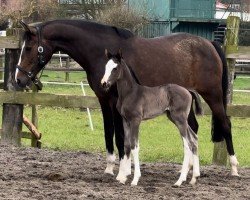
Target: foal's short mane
column 94, row 26
column 131, row 72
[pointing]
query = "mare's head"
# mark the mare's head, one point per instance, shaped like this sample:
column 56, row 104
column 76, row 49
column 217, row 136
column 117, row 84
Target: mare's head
column 35, row 53
column 112, row 69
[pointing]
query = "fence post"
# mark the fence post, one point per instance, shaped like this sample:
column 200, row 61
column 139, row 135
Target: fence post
column 1, row 66
column 12, row 113
column 231, row 46
column 67, row 67
column 34, row 118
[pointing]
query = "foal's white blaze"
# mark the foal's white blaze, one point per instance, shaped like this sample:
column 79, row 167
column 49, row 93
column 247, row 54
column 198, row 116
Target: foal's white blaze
column 20, row 59
column 110, row 164
column 137, row 171
column 234, row 163
column 108, row 69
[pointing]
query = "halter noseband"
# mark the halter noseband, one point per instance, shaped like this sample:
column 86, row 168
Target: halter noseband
column 41, row 62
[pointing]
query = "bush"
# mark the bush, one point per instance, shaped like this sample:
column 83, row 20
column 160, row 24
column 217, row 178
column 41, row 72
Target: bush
column 120, row 16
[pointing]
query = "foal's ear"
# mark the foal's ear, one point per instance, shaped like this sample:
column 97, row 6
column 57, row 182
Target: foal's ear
column 119, row 55
column 27, row 28
column 108, row 54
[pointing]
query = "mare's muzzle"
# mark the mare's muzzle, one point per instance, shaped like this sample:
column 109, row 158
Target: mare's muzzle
column 27, row 79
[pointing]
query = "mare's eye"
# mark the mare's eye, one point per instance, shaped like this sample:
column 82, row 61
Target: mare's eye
column 27, row 48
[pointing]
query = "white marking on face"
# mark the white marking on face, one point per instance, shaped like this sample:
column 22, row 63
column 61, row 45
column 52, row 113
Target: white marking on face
column 108, row 69
column 19, row 62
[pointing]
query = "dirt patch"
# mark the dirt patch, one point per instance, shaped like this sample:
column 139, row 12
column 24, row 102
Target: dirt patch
column 27, row 173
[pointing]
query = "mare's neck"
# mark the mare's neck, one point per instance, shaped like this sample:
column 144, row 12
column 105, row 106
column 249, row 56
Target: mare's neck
column 126, row 83
column 81, row 41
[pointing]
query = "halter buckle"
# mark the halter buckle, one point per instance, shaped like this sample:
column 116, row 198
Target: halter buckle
column 29, row 74
column 40, row 49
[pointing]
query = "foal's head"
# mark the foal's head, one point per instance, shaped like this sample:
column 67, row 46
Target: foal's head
column 112, row 69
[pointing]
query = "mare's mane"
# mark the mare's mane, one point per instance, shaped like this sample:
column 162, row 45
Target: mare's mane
column 94, row 26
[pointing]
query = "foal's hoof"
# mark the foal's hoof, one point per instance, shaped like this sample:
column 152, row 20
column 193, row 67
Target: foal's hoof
column 193, row 181
column 109, row 171
column 177, row 184
column 234, row 173
column 134, row 182
column 121, row 179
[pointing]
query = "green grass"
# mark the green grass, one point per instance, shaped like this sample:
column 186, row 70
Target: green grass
column 68, row 129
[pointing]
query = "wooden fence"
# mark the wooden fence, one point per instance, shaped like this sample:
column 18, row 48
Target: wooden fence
column 13, row 101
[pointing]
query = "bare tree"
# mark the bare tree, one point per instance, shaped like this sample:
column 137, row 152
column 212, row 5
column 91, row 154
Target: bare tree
column 29, row 10
column 119, row 15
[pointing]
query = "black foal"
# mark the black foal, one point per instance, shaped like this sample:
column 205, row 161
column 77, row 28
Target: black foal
column 137, row 103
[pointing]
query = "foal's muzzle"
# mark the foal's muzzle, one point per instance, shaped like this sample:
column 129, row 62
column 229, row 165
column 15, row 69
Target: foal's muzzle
column 105, row 85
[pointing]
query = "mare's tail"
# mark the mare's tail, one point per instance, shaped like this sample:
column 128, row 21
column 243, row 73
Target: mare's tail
column 197, row 100
column 224, row 73
column 216, row 129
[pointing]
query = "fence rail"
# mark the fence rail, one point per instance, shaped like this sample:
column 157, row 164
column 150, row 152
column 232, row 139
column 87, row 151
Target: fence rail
column 77, row 101
column 45, row 99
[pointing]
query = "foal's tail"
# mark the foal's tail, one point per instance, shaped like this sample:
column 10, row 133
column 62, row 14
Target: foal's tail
column 197, row 100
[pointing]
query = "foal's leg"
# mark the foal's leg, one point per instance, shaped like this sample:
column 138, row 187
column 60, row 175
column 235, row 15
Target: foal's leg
column 180, row 120
column 193, row 145
column 191, row 159
column 135, row 150
column 125, row 162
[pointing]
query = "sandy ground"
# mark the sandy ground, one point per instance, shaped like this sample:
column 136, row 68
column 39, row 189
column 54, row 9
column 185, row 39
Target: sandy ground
column 28, row 173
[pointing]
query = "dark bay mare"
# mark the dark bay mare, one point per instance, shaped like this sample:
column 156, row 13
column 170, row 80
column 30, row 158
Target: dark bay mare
column 136, row 103
column 183, row 59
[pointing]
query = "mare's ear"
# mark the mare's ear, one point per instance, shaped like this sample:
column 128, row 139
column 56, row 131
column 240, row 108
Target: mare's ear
column 108, row 54
column 119, row 55
column 28, row 28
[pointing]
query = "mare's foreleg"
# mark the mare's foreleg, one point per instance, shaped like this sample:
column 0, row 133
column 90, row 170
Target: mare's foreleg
column 109, row 134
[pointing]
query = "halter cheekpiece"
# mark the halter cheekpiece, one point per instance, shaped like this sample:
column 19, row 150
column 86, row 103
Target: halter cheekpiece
column 41, row 61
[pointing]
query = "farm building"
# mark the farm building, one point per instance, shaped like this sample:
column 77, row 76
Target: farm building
column 170, row 16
